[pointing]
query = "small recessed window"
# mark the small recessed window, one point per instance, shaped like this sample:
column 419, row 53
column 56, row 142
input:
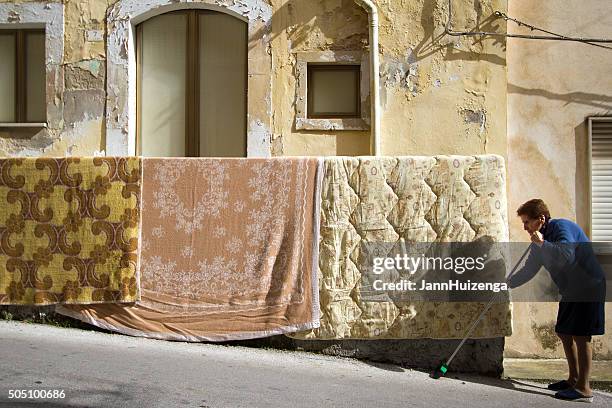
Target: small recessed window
column 333, row 91
column 22, row 76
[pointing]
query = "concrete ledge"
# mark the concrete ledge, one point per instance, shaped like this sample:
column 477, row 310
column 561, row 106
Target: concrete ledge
column 482, row 356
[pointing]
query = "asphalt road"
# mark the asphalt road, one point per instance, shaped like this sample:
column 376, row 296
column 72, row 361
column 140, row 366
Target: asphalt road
column 104, row 370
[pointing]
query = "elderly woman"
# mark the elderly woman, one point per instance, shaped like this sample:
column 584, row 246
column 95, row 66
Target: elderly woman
column 563, row 248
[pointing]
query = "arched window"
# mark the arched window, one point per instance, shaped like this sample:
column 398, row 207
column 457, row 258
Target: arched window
column 192, row 85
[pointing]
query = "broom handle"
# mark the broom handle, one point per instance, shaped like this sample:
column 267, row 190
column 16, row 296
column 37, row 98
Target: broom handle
column 486, row 309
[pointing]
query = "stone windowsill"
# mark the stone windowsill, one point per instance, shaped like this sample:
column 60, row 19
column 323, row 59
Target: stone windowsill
column 331, row 124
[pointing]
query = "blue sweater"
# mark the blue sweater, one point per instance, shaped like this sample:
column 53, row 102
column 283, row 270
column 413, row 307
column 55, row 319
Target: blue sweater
column 568, row 257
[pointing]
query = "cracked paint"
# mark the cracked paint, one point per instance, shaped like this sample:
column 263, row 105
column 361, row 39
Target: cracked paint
column 93, row 66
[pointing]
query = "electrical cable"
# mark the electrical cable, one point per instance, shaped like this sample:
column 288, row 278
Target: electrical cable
column 553, row 36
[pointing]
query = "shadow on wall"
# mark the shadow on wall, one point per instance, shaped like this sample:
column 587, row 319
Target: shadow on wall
column 20, row 133
column 432, row 43
column 296, row 17
column 599, row 101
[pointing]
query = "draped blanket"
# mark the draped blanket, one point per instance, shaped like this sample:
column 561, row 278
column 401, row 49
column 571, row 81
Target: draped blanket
column 229, row 250
column 69, row 230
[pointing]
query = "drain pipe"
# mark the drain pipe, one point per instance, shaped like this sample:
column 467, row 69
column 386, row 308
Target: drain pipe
column 370, row 7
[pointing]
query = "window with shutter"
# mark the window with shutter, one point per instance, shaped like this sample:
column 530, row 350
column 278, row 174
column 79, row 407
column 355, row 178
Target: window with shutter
column 192, row 85
column 600, row 152
column 22, row 76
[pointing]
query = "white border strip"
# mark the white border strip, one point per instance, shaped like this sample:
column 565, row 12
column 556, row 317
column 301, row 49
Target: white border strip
column 183, row 337
column 316, row 235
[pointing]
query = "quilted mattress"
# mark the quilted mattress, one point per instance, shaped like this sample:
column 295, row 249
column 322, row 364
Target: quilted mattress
column 409, row 199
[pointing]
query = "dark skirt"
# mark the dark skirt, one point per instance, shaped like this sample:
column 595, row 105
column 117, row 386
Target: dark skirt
column 581, row 318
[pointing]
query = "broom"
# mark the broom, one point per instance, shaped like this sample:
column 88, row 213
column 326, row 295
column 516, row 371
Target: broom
column 442, row 369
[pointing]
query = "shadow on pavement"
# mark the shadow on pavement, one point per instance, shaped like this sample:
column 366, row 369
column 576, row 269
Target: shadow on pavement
column 385, row 366
column 508, row 384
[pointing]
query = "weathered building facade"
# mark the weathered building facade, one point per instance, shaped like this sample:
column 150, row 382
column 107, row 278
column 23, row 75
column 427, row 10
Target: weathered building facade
column 438, row 94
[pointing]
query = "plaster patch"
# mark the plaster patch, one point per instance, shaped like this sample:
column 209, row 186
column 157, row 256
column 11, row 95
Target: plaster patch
column 472, row 116
column 93, row 66
column 85, row 75
column 82, row 105
column 258, row 139
column 399, row 74
column 546, row 336
column 81, row 139
column 13, row 17
column 95, row 35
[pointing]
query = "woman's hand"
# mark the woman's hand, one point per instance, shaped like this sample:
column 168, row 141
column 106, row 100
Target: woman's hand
column 537, row 238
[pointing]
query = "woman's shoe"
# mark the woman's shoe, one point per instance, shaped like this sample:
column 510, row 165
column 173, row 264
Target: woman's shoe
column 559, row 386
column 572, row 395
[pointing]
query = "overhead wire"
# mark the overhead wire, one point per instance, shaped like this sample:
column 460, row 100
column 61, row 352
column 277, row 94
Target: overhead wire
column 597, row 42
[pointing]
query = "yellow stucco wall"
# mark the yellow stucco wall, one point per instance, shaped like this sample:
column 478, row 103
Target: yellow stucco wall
column 439, row 94
column 552, row 87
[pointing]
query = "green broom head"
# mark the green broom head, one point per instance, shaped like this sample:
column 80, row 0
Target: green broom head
column 440, row 371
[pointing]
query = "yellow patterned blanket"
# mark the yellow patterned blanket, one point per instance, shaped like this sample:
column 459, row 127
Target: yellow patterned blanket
column 69, row 230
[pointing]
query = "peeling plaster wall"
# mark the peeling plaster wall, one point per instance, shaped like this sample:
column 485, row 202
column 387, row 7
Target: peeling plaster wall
column 78, row 87
column 552, row 87
column 439, row 94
